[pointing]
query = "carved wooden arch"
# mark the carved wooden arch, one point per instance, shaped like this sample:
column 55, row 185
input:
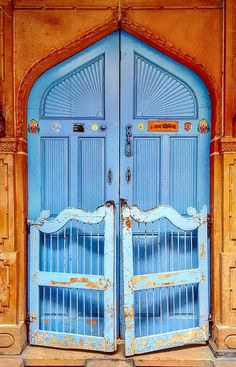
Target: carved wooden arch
column 95, row 35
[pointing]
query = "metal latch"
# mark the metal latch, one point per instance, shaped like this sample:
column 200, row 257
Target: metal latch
column 30, row 318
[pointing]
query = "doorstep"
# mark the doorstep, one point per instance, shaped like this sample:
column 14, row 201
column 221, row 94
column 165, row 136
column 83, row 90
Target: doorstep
column 191, row 356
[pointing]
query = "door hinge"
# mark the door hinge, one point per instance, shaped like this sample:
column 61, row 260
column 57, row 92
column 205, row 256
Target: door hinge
column 209, row 220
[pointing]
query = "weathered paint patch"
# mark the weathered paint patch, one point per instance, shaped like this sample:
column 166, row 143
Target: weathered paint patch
column 128, row 223
column 202, row 250
column 86, row 281
column 91, row 322
column 72, row 341
column 158, row 280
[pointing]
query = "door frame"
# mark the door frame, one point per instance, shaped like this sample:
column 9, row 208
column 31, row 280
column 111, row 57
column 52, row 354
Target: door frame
column 91, row 37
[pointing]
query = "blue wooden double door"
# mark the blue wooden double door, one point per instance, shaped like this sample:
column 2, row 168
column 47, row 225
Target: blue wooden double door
column 117, row 120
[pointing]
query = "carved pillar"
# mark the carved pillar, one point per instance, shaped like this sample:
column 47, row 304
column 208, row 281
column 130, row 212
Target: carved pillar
column 230, row 68
column 12, row 246
column 224, row 328
column 224, row 331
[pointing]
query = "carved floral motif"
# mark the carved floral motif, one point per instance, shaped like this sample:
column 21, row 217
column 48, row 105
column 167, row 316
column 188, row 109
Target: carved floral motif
column 229, row 147
column 8, row 146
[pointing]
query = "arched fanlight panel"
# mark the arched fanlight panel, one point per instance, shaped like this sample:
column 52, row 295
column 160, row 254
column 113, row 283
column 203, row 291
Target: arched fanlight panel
column 160, row 94
column 79, row 94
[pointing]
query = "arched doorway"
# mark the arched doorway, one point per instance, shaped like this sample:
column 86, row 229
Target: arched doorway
column 118, row 119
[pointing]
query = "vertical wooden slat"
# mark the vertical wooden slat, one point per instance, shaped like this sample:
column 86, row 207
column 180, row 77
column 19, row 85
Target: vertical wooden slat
column 128, row 273
column 110, row 271
column 34, row 294
column 203, row 265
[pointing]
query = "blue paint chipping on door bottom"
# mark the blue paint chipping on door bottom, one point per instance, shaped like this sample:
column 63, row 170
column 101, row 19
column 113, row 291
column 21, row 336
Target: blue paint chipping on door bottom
column 166, row 281
column 73, row 304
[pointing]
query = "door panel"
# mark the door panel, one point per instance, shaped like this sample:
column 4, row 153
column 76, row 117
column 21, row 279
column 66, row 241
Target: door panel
column 91, row 172
column 74, row 146
column 146, row 160
column 55, row 174
column 157, row 88
column 165, row 278
column 183, row 172
column 166, row 168
column 72, row 165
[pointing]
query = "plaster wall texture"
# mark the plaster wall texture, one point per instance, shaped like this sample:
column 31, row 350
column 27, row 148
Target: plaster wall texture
column 35, row 35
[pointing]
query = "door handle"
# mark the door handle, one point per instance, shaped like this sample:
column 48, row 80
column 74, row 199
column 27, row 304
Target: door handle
column 128, row 146
column 109, row 176
column 128, row 175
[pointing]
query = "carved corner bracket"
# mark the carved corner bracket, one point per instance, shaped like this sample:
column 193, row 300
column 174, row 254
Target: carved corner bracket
column 12, row 145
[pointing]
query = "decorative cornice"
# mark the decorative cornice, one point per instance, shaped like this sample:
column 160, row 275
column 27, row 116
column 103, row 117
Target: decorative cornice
column 119, row 20
column 174, row 7
column 8, row 147
column 12, row 145
column 63, row 7
column 228, row 147
column 149, row 5
column 5, row 2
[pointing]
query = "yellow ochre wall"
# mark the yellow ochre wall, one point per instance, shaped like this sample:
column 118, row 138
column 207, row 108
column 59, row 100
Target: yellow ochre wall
column 36, row 34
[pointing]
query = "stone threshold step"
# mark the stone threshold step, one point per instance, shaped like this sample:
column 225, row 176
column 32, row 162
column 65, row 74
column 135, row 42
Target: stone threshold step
column 11, row 362
column 108, row 363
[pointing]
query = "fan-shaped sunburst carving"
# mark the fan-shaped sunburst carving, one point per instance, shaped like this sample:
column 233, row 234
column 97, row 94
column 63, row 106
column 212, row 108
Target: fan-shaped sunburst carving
column 160, row 94
column 79, row 94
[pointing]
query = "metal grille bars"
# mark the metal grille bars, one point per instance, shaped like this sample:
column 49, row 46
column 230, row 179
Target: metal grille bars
column 72, row 273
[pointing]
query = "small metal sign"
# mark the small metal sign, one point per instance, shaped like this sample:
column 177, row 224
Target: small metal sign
column 163, row 126
column 79, row 128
